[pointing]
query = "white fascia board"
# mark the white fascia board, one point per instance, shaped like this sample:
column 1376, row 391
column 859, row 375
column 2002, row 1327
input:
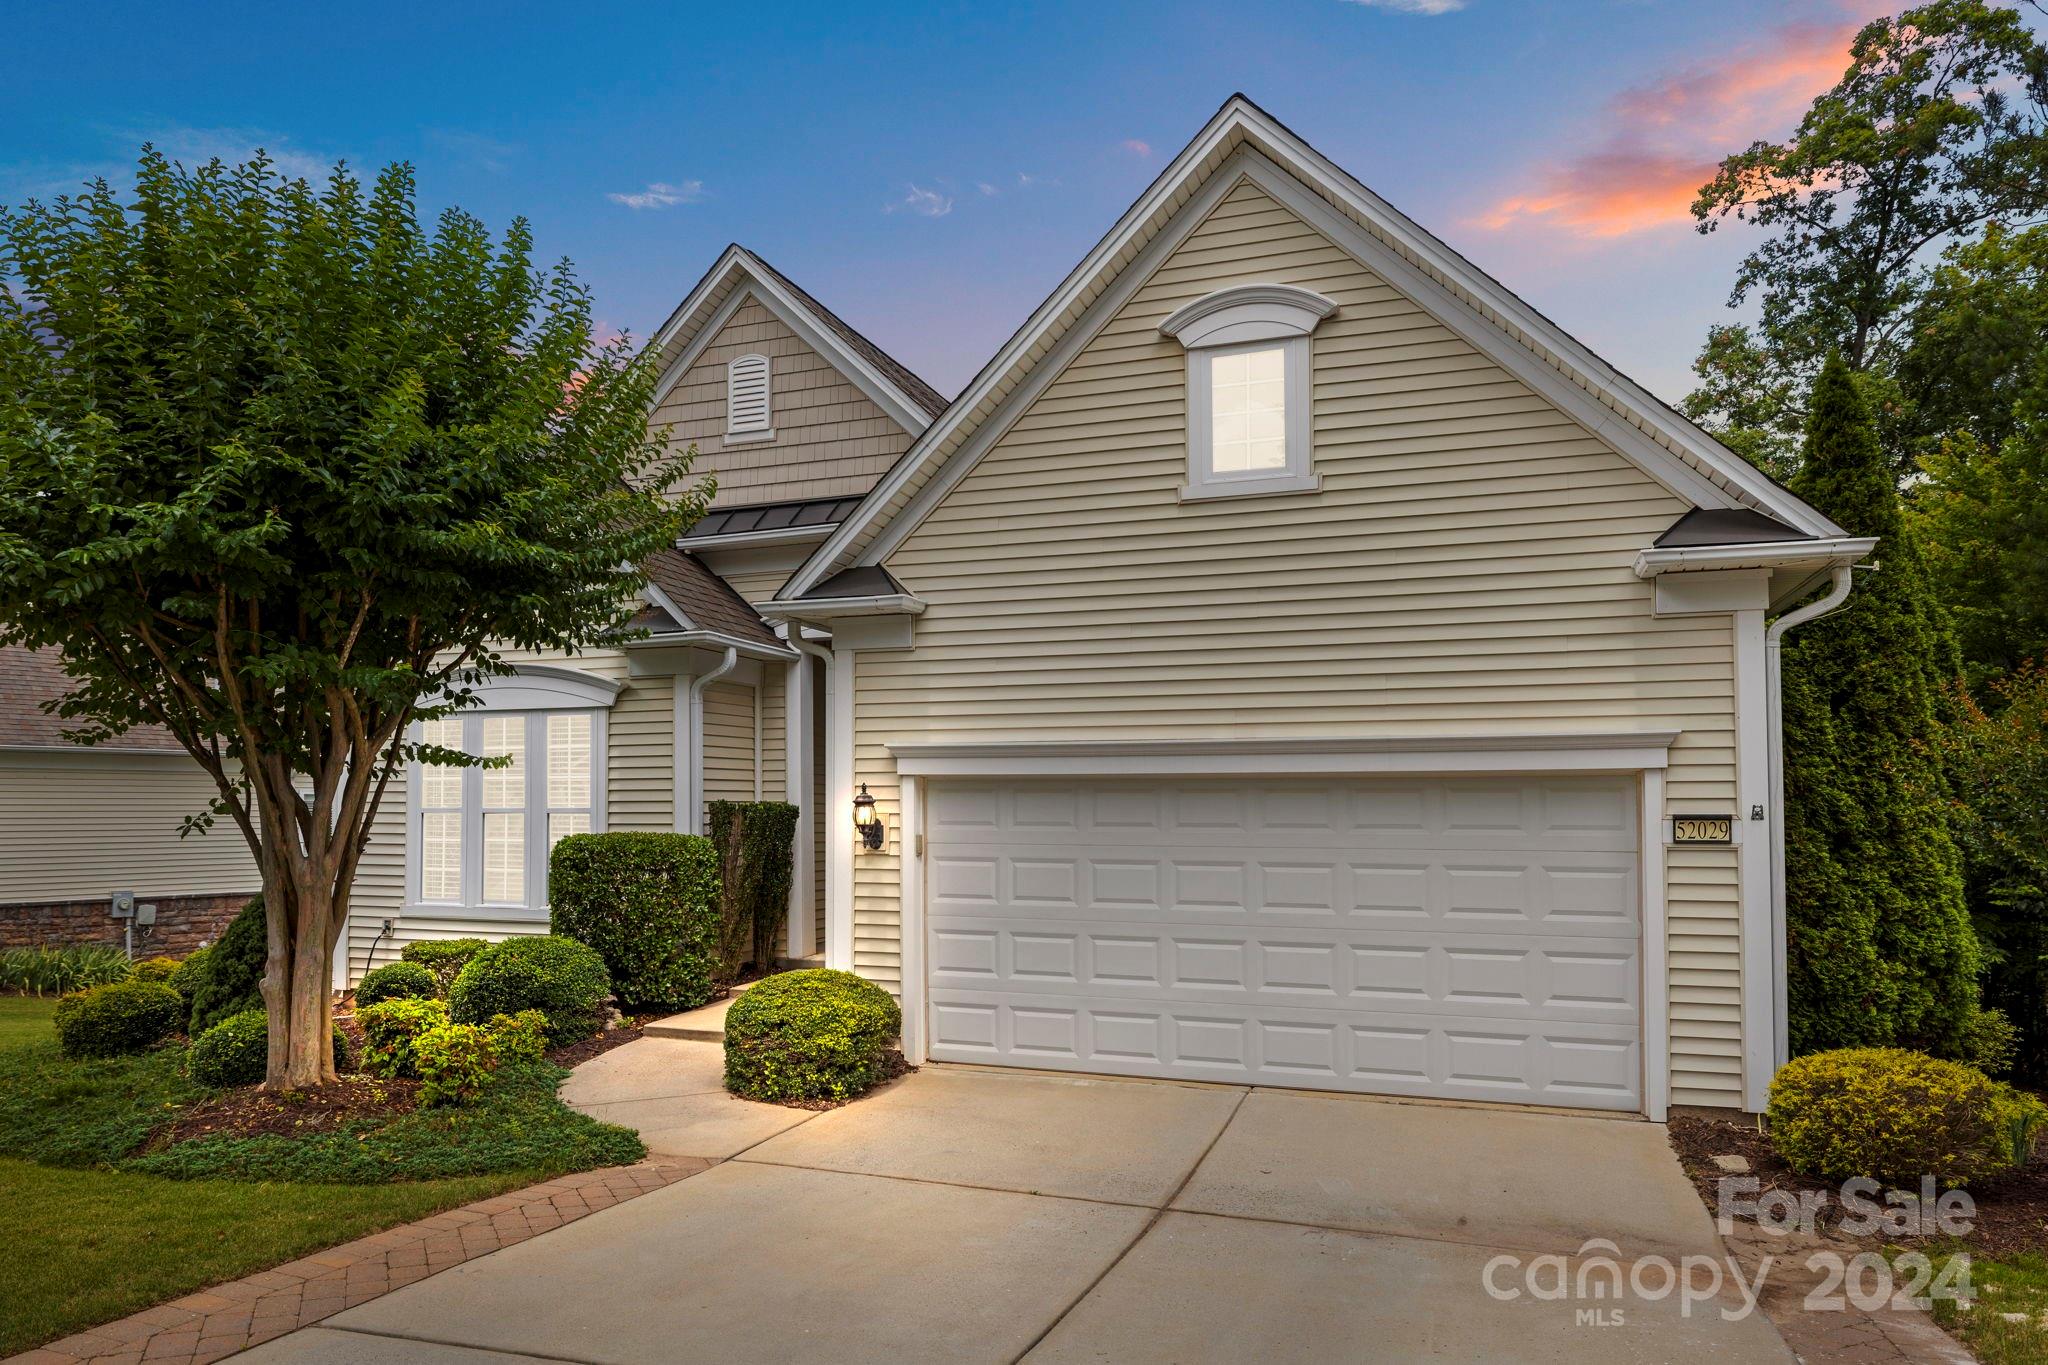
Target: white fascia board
column 742, row 540
column 755, row 282
column 825, row 608
column 666, row 603
column 1525, row 752
column 1239, row 117
column 711, row 639
column 1768, row 554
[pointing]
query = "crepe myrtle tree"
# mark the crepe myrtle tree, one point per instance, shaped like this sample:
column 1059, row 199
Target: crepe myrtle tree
column 282, row 471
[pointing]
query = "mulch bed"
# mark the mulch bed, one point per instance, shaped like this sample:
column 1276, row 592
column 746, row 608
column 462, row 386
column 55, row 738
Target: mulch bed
column 569, row 1054
column 251, row 1112
column 2012, row 1210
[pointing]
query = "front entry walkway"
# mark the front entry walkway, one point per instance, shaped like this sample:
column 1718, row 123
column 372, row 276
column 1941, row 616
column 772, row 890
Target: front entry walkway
column 963, row 1215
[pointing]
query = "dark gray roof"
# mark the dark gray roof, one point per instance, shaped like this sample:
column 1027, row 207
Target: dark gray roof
column 708, row 600
column 772, row 516
column 915, row 389
column 1725, row 526
column 862, row 580
column 30, row 677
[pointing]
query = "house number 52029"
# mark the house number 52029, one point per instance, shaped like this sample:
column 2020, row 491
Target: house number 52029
column 1702, row 829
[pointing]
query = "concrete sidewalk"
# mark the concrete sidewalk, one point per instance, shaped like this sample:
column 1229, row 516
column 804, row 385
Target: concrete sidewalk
column 962, row 1215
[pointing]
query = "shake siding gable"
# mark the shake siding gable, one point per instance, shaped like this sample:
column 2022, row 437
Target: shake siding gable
column 831, row 440
column 1466, row 568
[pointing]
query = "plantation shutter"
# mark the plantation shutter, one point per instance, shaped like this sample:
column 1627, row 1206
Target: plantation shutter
column 746, row 395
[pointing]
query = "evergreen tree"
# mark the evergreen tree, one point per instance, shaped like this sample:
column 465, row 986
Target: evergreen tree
column 1881, row 948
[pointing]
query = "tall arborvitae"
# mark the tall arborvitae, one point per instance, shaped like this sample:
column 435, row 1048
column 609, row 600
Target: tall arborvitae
column 1881, row 947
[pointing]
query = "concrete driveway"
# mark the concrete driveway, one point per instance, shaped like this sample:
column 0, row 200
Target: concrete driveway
column 963, row 1215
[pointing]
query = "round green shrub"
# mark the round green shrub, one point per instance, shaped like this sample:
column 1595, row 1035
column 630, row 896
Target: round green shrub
column 1894, row 1116
column 159, row 969
column 122, row 1017
column 191, row 972
column 455, row 1063
column 648, row 903
column 809, row 1035
column 563, row 979
column 521, row 1037
column 396, row 981
column 231, row 982
column 390, row 1031
column 236, row 1051
column 444, row 957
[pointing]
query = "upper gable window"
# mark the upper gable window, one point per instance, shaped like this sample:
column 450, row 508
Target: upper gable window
column 1250, row 427
column 748, row 410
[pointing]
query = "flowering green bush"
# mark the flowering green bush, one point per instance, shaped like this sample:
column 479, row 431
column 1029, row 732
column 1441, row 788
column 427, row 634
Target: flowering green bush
column 809, row 1035
column 117, row 1018
column 454, row 1062
column 1895, row 1116
column 396, row 981
column 391, row 1031
column 521, row 1037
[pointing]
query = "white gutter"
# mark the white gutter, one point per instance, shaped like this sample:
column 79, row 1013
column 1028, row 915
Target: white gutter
column 825, row 608
column 1774, row 680
column 695, row 771
column 740, row 540
column 711, row 639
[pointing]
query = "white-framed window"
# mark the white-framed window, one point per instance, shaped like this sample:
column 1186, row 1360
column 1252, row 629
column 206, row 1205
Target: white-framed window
column 478, row 839
column 1250, row 386
column 749, row 409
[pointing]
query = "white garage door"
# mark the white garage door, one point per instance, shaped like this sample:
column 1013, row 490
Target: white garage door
column 1473, row 938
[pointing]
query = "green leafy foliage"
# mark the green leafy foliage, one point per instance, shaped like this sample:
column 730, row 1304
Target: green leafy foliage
column 163, row 970
column 1894, row 1116
column 521, row 1037
column 1880, row 947
column 396, row 981
column 191, row 974
column 648, row 904
column 444, row 957
column 562, row 978
column 236, row 1051
column 60, row 971
column 455, row 1062
column 391, row 1032
column 118, row 1018
column 230, row 980
column 86, row 1112
column 809, row 1035
column 756, row 841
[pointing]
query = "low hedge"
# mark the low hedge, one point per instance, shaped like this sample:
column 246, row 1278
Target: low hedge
column 396, row 981
column 648, row 903
column 118, row 1018
column 444, row 957
column 230, row 981
column 809, row 1035
column 1895, row 1116
column 562, row 978
column 159, row 969
column 391, row 1031
column 236, row 1051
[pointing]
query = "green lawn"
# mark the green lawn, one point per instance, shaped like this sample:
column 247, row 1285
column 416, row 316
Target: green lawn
column 2014, row 1284
column 88, row 1243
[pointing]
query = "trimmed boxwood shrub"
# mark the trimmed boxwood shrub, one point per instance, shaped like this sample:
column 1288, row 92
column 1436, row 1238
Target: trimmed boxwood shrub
column 118, row 1018
column 392, row 1029
column 1895, row 1116
column 231, row 981
column 444, row 957
column 159, row 969
column 396, row 981
column 648, row 903
column 191, row 972
column 756, row 842
column 562, row 978
column 236, row 1051
column 809, row 1035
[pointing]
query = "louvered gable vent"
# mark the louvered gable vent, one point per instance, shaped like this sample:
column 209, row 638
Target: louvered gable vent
column 746, row 395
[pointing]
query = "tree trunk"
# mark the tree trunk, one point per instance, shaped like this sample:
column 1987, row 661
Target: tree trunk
column 297, row 989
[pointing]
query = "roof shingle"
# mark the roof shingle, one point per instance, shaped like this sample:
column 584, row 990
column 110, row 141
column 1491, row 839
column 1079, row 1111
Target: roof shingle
column 30, row 677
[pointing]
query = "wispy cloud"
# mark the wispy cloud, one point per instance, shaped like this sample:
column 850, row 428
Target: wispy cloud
column 1430, row 7
column 988, row 191
column 1654, row 145
column 1136, row 146
column 484, row 153
column 1026, row 181
column 923, row 202
column 661, row 195
column 197, row 146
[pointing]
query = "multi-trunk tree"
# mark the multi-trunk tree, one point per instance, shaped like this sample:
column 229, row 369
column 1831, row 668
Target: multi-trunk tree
column 282, row 471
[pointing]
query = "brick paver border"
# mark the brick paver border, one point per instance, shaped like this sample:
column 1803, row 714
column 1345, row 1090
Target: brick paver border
column 217, row 1322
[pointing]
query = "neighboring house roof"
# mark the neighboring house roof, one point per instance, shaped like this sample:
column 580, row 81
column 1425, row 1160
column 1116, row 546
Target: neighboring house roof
column 771, row 516
column 30, row 677
column 1726, row 526
column 1242, row 141
column 739, row 274
column 697, row 599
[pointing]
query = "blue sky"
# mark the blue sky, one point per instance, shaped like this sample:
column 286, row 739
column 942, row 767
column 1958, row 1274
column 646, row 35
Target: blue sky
column 930, row 172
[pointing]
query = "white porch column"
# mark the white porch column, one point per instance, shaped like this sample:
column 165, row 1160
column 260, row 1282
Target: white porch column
column 1762, row 946
column 838, row 812
column 796, row 746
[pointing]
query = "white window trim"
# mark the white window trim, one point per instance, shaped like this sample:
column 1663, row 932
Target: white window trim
column 1250, row 317
column 472, row 906
column 739, row 435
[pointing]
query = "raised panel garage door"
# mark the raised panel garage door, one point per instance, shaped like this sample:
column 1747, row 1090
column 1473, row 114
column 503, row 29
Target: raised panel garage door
column 1471, row 938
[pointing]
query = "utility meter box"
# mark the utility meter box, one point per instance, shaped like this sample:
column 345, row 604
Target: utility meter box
column 145, row 916
column 124, row 905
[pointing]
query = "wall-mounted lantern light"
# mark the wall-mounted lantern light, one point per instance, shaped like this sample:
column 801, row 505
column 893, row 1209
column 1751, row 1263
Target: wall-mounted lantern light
column 866, row 822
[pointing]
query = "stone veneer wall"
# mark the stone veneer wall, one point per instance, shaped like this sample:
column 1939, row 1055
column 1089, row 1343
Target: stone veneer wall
column 184, row 924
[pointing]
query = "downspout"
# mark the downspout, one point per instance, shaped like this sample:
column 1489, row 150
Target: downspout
column 1774, row 681
column 757, row 740
column 696, row 735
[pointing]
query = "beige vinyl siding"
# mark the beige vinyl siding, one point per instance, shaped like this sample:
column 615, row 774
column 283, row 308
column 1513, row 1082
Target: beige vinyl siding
column 831, row 440
column 79, row 826
column 729, row 742
column 1465, row 568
